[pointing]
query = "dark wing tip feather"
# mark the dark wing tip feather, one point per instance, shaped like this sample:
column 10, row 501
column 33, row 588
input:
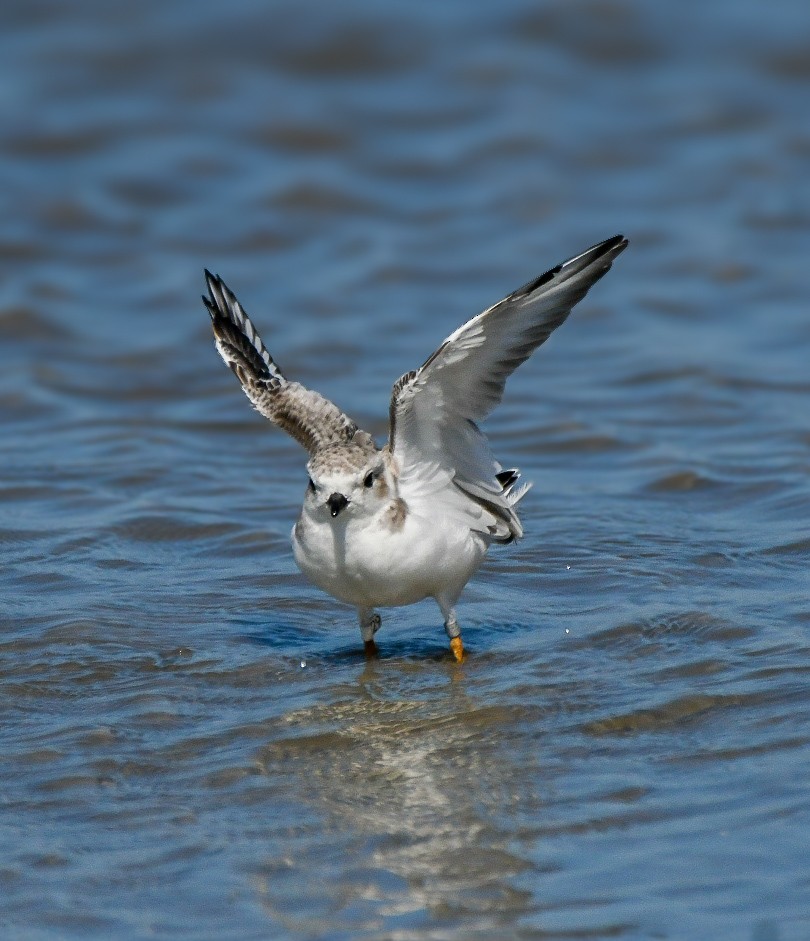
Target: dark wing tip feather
column 212, row 311
column 221, row 300
column 210, row 301
column 531, row 286
column 507, row 478
column 234, row 330
column 615, row 244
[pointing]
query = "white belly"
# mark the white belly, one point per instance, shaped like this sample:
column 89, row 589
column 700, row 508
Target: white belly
column 369, row 564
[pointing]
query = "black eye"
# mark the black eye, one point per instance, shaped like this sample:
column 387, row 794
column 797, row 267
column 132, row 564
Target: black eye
column 311, row 485
column 369, row 479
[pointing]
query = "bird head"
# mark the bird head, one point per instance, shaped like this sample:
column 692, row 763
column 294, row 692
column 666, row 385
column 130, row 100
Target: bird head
column 348, row 480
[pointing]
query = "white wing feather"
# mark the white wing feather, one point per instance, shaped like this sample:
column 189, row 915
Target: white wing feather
column 434, row 409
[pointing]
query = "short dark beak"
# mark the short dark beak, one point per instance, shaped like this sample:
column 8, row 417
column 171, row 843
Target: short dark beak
column 336, row 503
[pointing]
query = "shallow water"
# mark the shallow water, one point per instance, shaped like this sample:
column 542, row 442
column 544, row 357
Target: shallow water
column 191, row 744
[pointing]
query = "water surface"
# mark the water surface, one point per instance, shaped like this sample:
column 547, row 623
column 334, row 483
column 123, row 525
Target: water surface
column 192, row 744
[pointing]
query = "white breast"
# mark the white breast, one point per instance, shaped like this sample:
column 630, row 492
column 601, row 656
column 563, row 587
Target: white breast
column 370, row 563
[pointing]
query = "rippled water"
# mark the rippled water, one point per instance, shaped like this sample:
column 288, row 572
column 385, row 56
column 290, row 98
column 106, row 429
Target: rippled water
column 192, row 744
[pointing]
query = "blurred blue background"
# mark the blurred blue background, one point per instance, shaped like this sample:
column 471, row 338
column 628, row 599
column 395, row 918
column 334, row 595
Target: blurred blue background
column 192, row 746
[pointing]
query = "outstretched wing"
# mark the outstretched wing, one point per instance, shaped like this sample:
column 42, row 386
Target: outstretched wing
column 434, row 409
column 311, row 419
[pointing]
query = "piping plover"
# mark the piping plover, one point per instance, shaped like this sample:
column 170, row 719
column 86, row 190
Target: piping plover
column 391, row 526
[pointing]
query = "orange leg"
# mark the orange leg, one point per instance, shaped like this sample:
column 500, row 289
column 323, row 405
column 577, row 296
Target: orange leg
column 452, row 628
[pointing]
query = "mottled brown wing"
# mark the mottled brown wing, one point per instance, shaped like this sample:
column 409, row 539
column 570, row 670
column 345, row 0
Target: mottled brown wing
column 311, row 419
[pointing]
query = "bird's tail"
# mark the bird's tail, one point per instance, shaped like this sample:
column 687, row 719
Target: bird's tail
column 508, row 479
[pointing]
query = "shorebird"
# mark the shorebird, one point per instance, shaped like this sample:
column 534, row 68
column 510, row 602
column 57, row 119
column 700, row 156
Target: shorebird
column 382, row 527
